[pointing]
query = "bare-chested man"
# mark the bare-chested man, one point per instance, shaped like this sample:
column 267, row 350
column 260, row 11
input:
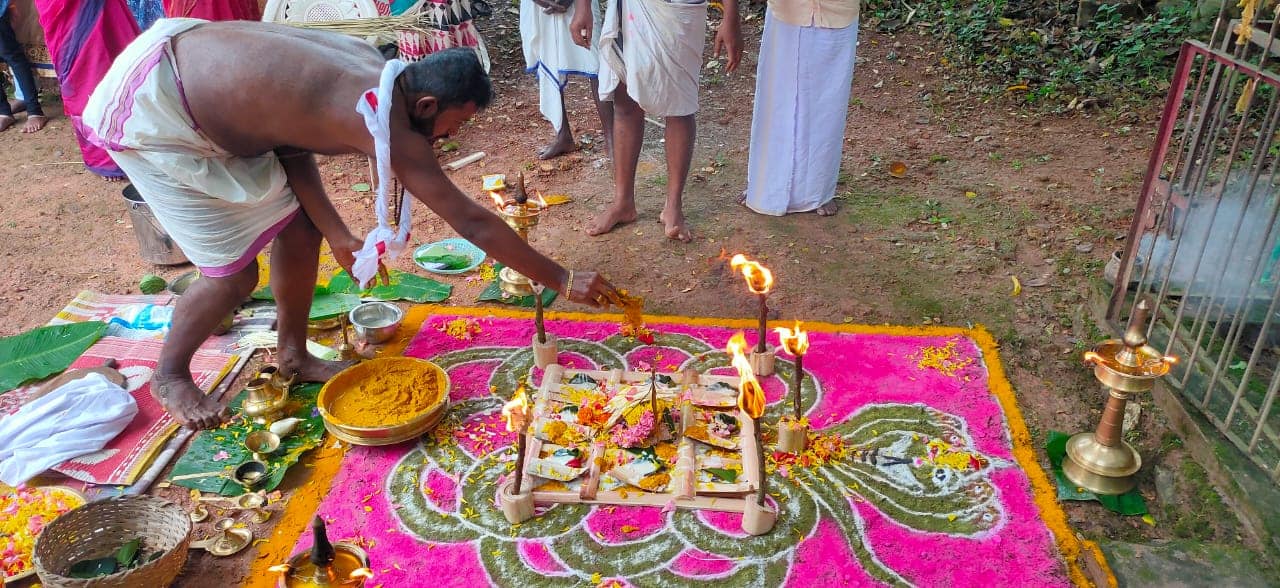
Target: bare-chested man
column 216, row 125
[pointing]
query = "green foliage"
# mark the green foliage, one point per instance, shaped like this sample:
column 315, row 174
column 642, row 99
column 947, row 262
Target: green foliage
column 1116, row 56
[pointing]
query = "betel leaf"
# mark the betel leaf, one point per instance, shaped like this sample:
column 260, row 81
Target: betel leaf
column 722, row 474
column 403, row 286
column 93, row 568
column 127, row 553
column 44, row 351
column 448, row 261
column 666, row 380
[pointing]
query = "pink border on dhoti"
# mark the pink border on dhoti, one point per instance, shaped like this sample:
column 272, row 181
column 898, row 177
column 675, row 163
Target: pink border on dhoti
column 251, row 253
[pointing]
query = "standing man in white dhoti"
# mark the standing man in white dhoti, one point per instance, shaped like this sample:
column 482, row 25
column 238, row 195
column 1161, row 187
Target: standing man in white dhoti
column 803, row 82
column 551, row 54
column 650, row 58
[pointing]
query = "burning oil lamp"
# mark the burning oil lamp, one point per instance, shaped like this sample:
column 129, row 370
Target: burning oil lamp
column 521, row 214
column 760, row 282
column 1101, row 461
column 545, row 349
column 757, row 517
column 517, row 506
column 793, row 433
column 327, row 564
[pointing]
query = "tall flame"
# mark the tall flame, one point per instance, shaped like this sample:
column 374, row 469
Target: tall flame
column 498, row 200
column 795, row 342
column 751, row 396
column 516, row 411
column 759, row 278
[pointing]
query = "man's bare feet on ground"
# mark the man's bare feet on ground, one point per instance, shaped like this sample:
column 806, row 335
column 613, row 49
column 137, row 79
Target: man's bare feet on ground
column 186, row 403
column 558, row 147
column 34, row 124
column 675, row 227
column 310, row 368
column 612, row 217
column 6, row 122
column 828, row 209
column 16, row 106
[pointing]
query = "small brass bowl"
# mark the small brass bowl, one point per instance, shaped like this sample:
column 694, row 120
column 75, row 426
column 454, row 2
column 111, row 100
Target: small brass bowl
column 250, row 474
column 262, row 444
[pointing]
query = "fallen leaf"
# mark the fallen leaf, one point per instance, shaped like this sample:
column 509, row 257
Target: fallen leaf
column 1017, row 286
column 1038, row 282
column 970, row 194
column 555, row 199
column 1148, row 519
column 361, row 187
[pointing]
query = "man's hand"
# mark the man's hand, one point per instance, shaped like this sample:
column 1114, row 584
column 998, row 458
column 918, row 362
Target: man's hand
column 581, row 25
column 592, row 289
column 729, row 37
column 344, row 252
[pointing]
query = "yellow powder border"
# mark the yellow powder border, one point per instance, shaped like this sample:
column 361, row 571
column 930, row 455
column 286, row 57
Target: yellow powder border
column 300, row 508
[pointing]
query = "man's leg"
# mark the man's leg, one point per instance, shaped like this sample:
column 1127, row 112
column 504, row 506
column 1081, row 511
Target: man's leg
column 628, row 135
column 295, row 258
column 563, row 143
column 13, row 54
column 680, row 134
column 604, row 108
column 197, row 314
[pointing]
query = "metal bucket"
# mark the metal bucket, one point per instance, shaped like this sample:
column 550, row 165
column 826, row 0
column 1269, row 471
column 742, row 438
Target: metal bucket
column 154, row 244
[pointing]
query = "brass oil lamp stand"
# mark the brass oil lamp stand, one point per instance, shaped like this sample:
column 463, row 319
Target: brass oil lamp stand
column 1102, row 462
column 327, row 564
column 521, row 214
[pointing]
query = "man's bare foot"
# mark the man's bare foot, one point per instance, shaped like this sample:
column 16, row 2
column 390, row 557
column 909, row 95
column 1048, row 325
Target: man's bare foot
column 310, row 368
column 828, row 209
column 6, row 122
column 562, row 144
column 34, row 124
column 612, row 217
column 742, row 198
column 186, row 403
column 675, row 227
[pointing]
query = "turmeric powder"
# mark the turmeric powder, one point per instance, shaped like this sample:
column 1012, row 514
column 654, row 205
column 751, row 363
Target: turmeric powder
column 389, row 397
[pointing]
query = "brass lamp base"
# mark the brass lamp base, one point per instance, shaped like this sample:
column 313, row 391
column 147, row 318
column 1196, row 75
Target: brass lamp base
column 514, row 283
column 1099, row 468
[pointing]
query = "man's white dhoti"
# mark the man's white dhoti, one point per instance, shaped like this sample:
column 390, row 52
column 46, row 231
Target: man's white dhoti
column 550, row 53
column 655, row 48
column 803, row 82
column 221, row 209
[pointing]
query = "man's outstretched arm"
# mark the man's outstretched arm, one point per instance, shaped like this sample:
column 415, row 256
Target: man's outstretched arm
column 304, row 178
column 416, row 166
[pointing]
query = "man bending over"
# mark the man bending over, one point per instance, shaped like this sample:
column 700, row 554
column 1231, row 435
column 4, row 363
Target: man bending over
column 172, row 111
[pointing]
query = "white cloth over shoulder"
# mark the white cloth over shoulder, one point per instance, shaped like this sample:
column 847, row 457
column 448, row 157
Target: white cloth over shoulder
column 375, row 106
column 77, row 418
column 551, row 54
column 655, row 48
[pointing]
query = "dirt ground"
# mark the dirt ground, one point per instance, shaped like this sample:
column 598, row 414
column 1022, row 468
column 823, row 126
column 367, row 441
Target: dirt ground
column 990, row 192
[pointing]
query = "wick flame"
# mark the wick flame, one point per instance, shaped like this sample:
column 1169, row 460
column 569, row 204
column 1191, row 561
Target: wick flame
column 365, row 573
column 516, row 411
column 751, row 396
column 1171, row 359
column 759, row 278
column 498, row 200
column 539, row 202
column 280, row 568
column 795, row 342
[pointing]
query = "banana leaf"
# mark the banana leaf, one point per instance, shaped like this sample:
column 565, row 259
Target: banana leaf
column 403, row 286
column 325, row 306
column 494, row 293
column 44, row 351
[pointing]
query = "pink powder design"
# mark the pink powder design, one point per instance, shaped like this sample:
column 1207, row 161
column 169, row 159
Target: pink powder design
column 470, row 380
column 484, row 433
column 539, row 558
column 441, row 490
column 611, row 525
column 665, row 359
column 695, row 563
column 853, row 370
column 576, row 361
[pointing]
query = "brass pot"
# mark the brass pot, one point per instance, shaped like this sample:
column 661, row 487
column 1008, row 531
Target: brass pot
column 264, row 403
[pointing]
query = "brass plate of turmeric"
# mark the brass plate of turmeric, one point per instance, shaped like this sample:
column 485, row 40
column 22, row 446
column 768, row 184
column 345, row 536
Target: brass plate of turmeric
column 384, row 401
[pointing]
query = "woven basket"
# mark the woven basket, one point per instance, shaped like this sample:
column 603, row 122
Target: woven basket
column 99, row 528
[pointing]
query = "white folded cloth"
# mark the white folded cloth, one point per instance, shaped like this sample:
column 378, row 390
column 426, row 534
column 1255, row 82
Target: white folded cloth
column 79, row 417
